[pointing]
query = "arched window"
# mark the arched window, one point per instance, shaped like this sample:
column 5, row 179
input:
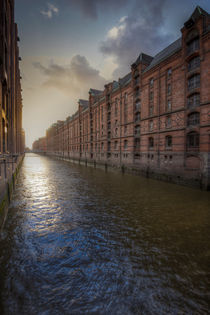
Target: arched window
column 137, row 143
column 137, row 131
column 151, row 82
column 151, row 143
column 169, row 73
column 137, row 93
column 136, row 73
column 137, row 105
column 169, row 89
column 137, row 117
column 136, row 81
column 125, row 98
column 168, row 105
column 194, row 63
column 193, row 100
column 193, row 140
column 193, row 119
column 168, row 141
column 194, row 82
column 192, row 35
column 168, row 121
column 125, row 144
column 192, row 41
column 116, row 106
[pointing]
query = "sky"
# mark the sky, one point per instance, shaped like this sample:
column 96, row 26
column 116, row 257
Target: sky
column 70, row 46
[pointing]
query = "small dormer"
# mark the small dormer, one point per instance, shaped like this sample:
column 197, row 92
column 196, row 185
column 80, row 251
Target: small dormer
column 94, row 95
column 194, row 28
column 82, row 105
column 140, row 64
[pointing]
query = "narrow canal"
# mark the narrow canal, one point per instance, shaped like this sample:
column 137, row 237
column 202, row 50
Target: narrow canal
column 83, row 241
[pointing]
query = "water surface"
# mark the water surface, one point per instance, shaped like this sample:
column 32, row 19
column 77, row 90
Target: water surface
column 83, row 241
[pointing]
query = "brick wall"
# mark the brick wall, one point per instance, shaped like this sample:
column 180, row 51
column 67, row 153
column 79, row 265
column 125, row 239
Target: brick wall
column 156, row 118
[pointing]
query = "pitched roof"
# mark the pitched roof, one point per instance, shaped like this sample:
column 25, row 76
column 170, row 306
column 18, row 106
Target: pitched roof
column 115, row 85
column 95, row 92
column 195, row 16
column 144, row 58
column 165, row 53
column 123, row 81
column 197, row 12
column 83, row 103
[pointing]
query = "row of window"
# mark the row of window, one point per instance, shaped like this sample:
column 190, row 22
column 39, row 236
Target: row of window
column 168, row 142
column 192, row 120
column 193, row 141
column 193, row 100
column 169, row 75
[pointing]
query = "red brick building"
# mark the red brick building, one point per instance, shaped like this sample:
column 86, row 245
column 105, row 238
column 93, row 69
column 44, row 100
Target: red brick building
column 11, row 133
column 155, row 120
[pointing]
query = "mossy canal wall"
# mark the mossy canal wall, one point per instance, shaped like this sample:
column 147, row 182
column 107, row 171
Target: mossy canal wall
column 9, row 169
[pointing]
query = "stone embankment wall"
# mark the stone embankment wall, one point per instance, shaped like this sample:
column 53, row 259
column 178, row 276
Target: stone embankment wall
column 181, row 178
column 9, row 169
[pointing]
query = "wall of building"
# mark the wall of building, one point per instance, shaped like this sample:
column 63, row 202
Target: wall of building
column 11, row 133
column 12, row 136
column 155, row 120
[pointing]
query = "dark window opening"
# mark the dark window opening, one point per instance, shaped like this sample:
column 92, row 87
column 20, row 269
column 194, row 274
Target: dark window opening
column 151, row 143
column 193, row 140
column 194, row 63
column 168, row 141
column 193, row 119
column 193, row 100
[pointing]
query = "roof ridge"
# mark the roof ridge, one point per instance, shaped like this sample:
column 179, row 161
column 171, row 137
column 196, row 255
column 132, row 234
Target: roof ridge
column 165, row 53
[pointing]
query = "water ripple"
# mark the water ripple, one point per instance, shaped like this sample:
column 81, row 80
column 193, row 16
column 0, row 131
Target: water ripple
column 82, row 241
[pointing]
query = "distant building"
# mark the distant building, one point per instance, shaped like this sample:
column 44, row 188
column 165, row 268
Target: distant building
column 39, row 145
column 11, row 133
column 155, row 120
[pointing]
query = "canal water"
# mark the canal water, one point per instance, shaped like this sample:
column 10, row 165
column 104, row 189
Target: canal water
column 80, row 240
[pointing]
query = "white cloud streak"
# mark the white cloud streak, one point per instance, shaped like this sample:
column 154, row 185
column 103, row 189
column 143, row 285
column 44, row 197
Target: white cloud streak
column 51, row 10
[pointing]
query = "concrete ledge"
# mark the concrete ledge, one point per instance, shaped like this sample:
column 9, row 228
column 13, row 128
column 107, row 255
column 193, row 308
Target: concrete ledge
column 7, row 189
column 183, row 178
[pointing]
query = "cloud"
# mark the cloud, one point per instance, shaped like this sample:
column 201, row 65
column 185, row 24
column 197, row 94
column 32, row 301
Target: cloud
column 74, row 79
column 51, row 10
column 148, row 27
column 91, row 8
column 140, row 31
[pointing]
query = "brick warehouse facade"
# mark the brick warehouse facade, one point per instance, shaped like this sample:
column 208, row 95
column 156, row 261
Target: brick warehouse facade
column 11, row 132
column 155, row 120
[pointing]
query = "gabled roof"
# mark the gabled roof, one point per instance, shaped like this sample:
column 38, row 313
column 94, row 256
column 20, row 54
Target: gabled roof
column 195, row 16
column 123, row 81
column 83, row 103
column 95, row 92
column 165, row 53
column 198, row 12
column 115, row 85
column 144, row 58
